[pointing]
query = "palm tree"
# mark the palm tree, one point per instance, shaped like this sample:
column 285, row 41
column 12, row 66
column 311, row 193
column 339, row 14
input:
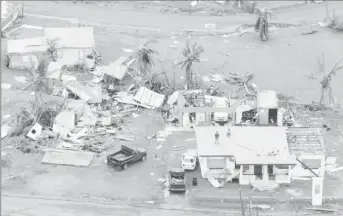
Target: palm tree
column 52, row 48
column 143, row 56
column 39, row 84
column 325, row 78
column 261, row 25
column 192, row 55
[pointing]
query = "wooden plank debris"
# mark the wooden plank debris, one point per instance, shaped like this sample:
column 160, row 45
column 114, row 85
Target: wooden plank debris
column 321, row 209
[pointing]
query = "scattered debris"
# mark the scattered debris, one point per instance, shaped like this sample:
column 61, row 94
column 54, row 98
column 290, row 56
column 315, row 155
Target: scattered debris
column 148, row 98
column 321, row 209
column 210, row 26
column 5, row 86
column 20, row 79
column 5, row 129
column 336, row 169
column 35, row 132
column 264, row 186
column 260, row 206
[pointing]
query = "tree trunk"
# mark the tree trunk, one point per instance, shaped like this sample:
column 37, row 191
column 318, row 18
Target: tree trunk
column 322, row 96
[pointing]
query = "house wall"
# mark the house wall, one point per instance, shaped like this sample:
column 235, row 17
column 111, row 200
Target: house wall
column 74, row 56
column 263, row 116
column 299, row 171
column 247, row 176
column 206, row 171
column 23, row 61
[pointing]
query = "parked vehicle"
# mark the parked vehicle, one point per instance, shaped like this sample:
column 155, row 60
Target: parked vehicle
column 176, row 180
column 221, row 117
column 126, row 156
column 189, row 160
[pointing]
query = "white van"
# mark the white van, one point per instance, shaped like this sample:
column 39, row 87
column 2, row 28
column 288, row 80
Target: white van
column 221, row 116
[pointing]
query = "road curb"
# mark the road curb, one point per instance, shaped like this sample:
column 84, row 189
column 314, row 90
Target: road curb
column 153, row 30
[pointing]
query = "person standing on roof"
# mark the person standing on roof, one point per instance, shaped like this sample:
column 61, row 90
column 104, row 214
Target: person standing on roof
column 216, row 138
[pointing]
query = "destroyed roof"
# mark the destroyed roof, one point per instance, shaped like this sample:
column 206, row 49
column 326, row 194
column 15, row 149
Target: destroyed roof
column 148, row 97
column 74, row 37
column 267, row 99
column 29, row 45
column 117, row 69
column 250, row 145
column 305, row 141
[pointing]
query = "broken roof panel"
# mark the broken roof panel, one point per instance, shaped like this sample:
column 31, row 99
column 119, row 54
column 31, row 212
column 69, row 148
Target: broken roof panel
column 73, row 37
column 248, row 144
column 267, row 99
column 118, row 69
column 148, row 97
column 30, row 45
column 305, row 141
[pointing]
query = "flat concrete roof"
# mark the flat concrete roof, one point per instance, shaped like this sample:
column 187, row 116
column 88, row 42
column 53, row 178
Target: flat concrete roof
column 254, row 145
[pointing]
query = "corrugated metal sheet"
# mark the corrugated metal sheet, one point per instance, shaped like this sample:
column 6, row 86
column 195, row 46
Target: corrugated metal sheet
column 148, row 97
column 73, row 37
column 30, row 45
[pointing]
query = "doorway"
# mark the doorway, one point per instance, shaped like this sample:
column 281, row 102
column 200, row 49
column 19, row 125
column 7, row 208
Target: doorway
column 258, row 171
column 272, row 116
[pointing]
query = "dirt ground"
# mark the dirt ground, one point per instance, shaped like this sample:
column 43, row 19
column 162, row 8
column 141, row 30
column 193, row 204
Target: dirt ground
column 279, row 64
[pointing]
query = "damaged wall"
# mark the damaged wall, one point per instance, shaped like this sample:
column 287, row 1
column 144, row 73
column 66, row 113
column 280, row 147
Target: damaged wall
column 300, row 171
column 75, row 56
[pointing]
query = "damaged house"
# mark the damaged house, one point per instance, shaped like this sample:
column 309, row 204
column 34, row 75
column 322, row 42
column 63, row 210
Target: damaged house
column 74, row 45
column 24, row 53
column 308, row 146
column 264, row 111
column 249, row 154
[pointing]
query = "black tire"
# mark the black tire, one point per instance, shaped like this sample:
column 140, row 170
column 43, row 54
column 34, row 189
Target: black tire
column 143, row 158
column 125, row 166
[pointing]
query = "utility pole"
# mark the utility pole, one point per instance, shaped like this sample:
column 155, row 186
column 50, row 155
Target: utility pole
column 22, row 8
column 240, row 196
column 327, row 9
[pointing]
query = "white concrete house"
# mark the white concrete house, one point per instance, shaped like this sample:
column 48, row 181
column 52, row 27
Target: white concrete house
column 250, row 154
column 75, row 45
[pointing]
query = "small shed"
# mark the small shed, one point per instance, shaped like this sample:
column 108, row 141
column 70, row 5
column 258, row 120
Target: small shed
column 267, row 105
column 23, row 53
column 75, row 45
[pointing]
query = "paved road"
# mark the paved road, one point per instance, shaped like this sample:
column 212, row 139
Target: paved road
column 27, row 206
column 13, row 205
column 310, row 13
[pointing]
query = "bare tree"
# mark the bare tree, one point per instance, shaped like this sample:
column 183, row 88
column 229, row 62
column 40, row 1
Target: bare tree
column 325, row 78
column 261, row 25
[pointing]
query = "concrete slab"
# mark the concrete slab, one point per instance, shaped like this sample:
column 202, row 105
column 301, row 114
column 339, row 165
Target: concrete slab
column 65, row 157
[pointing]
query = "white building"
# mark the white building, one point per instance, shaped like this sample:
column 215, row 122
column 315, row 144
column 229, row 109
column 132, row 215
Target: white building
column 250, row 154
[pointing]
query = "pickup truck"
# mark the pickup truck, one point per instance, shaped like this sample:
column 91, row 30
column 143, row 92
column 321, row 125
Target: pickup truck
column 176, row 180
column 126, row 156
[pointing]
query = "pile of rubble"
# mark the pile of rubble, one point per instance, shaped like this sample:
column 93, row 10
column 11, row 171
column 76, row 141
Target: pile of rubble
column 91, row 114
